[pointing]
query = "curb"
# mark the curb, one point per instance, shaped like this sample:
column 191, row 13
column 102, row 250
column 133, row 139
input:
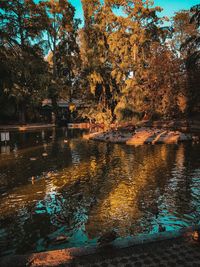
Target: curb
column 66, row 256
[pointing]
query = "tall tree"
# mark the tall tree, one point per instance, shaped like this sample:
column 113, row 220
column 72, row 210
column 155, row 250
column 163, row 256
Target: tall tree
column 20, row 29
column 96, row 66
column 61, row 29
column 182, row 30
column 120, row 47
column 191, row 45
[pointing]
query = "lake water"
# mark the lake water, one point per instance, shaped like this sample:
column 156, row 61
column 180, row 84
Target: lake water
column 54, row 183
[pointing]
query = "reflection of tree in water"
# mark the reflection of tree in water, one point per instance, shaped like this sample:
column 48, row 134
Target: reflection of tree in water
column 124, row 197
column 179, row 197
column 101, row 187
column 117, row 189
column 113, row 184
column 33, row 144
column 36, row 227
column 78, row 196
column 7, row 234
column 22, row 234
column 69, row 211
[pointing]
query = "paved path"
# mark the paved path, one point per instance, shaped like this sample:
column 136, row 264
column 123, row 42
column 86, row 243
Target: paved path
column 179, row 251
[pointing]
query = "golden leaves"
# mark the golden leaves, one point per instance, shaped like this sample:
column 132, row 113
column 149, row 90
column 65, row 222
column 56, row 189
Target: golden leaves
column 94, row 79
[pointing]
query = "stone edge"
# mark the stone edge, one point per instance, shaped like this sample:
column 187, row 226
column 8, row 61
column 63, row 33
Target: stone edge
column 120, row 243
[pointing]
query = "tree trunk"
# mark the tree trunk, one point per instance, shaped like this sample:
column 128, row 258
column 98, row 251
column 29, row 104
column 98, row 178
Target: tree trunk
column 22, row 113
column 55, row 107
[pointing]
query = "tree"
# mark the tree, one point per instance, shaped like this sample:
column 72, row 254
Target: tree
column 129, row 42
column 165, row 82
column 192, row 61
column 61, row 29
column 118, row 48
column 20, row 29
column 96, row 70
column 182, row 30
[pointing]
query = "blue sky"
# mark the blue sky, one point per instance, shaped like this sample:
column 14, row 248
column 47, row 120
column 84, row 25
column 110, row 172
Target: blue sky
column 169, row 6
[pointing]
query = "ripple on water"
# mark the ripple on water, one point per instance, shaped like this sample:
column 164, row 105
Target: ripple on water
column 85, row 189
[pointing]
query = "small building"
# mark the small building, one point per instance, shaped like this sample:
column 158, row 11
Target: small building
column 67, row 110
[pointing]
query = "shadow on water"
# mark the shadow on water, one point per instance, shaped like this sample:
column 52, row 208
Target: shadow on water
column 58, row 190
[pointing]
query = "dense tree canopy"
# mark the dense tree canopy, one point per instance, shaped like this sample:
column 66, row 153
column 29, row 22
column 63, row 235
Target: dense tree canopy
column 123, row 63
column 61, row 31
column 21, row 52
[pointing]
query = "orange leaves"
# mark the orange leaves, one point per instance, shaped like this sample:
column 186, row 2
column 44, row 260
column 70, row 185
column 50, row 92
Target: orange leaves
column 95, row 78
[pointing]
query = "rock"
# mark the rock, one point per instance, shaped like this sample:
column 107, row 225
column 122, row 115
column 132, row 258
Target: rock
column 171, row 138
column 141, row 136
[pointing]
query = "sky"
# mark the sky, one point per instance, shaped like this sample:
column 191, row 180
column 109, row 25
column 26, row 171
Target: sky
column 169, row 6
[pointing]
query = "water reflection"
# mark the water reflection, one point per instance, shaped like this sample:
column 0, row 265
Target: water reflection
column 81, row 189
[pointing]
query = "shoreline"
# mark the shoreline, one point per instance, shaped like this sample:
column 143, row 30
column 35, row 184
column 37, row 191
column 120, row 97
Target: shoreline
column 141, row 136
column 187, row 125
column 129, row 245
column 26, row 127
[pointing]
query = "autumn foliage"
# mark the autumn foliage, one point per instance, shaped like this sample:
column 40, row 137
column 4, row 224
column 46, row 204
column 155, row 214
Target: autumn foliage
column 125, row 61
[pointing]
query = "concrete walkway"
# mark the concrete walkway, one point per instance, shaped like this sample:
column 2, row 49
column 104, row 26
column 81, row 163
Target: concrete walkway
column 162, row 249
column 178, row 252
